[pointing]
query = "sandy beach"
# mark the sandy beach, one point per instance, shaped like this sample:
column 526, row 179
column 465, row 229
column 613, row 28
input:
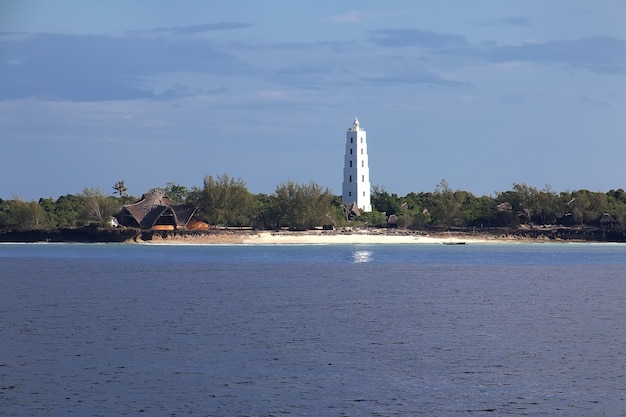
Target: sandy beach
column 347, row 235
column 227, row 237
column 311, row 238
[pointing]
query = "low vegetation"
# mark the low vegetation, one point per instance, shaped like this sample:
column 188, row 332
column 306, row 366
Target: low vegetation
column 226, row 202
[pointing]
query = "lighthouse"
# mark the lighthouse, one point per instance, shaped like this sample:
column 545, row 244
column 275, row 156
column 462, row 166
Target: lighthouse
column 356, row 170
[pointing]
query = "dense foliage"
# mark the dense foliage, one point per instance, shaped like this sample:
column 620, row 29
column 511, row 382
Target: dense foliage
column 92, row 206
column 226, row 202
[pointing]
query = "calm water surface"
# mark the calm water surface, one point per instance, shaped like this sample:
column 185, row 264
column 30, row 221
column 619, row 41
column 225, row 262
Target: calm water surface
column 346, row 330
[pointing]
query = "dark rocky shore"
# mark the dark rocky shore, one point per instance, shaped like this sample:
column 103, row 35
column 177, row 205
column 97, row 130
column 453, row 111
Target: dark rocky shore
column 546, row 234
column 81, row 235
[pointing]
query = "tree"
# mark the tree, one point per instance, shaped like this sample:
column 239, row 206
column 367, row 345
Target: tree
column 23, row 215
column 302, row 206
column 599, row 206
column 617, row 204
column 384, row 202
column 120, row 188
column 68, row 209
column 98, row 207
column 267, row 212
column 175, row 192
column 447, row 204
column 525, row 199
column 49, row 207
column 548, row 206
column 479, row 211
column 224, row 200
column 587, row 207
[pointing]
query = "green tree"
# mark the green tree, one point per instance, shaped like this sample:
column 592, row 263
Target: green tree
column 447, row 205
column 586, row 207
column 479, row 211
column 120, row 188
column 24, row 215
column 224, row 200
column 98, row 207
column 68, row 209
column 548, row 206
column 384, row 202
column 302, row 206
column 175, row 191
column 617, row 205
column 599, row 206
column 373, row 218
column 49, row 207
column 416, row 208
column 525, row 201
column 267, row 212
column 4, row 209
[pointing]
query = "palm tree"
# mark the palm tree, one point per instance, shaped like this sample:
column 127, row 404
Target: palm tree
column 120, row 188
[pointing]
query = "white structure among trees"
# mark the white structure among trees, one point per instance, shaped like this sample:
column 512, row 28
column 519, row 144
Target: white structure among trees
column 356, row 170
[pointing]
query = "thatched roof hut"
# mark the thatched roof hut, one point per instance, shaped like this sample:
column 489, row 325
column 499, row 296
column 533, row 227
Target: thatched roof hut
column 392, row 221
column 606, row 220
column 156, row 211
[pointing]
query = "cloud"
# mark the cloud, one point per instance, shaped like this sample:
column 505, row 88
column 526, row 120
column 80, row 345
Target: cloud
column 521, row 21
column 189, row 30
column 93, row 68
column 415, row 37
column 353, row 16
column 418, row 79
column 597, row 54
column 585, row 99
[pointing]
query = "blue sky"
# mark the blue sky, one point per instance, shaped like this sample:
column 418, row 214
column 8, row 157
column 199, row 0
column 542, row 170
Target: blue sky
column 483, row 94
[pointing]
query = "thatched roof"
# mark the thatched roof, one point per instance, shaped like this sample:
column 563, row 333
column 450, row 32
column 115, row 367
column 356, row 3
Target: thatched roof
column 355, row 209
column 155, row 208
column 504, row 207
column 606, row 218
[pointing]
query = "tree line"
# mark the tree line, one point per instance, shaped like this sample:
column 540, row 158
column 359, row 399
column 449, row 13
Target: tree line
column 226, row 201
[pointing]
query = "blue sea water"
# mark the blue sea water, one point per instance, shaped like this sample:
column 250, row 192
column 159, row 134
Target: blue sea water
column 328, row 330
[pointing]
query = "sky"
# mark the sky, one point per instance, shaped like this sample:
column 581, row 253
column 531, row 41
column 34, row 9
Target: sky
column 484, row 94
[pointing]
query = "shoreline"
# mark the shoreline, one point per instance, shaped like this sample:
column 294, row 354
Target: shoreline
column 313, row 237
column 342, row 237
column 306, row 238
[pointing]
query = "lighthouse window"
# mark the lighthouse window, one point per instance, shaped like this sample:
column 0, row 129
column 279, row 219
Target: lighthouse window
column 350, row 151
column 361, row 151
column 351, row 139
column 362, row 178
column 349, row 193
column 361, row 140
column 350, row 164
column 363, row 193
column 362, row 163
column 350, row 178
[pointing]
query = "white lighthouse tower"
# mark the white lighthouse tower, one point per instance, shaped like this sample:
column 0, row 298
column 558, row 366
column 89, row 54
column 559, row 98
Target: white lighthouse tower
column 356, row 169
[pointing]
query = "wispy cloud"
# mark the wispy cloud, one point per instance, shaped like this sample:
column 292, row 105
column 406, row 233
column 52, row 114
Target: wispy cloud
column 193, row 29
column 87, row 68
column 361, row 16
column 423, row 78
column 415, row 37
column 598, row 54
column 352, row 16
column 522, row 21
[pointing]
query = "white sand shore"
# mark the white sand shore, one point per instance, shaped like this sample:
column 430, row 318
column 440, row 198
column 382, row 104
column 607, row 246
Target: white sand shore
column 321, row 238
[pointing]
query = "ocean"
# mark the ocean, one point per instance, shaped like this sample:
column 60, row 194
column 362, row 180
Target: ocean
column 313, row 330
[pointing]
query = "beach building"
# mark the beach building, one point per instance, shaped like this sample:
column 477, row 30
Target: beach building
column 356, row 170
column 157, row 212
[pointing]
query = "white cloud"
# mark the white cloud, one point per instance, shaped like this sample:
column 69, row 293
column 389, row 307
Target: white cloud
column 352, row 16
